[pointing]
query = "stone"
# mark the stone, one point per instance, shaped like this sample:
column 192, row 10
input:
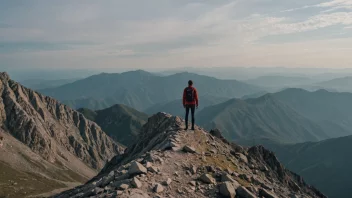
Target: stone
column 229, row 171
column 136, row 168
column 158, row 188
column 208, row 179
column 266, row 194
column 193, row 183
column 148, row 164
column 153, row 169
column 167, row 182
column 136, row 183
column 119, row 192
column 242, row 157
column 107, row 179
column 193, row 170
column 227, row 189
column 98, row 190
column 174, row 144
column 189, row 149
column 124, row 186
column 175, row 149
column 235, row 174
column 226, row 177
column 244, row 193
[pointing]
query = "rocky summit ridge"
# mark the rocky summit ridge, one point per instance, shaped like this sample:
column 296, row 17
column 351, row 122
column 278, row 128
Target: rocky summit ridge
column 167, row 161
column 45, row 138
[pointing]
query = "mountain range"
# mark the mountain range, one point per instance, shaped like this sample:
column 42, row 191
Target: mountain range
column 120, row 122
column 338, row 84
column 175, row 107
column 44, row 84
column 279, row 82
column 260, row 118
column 331, row 110
column 46, row 145
column 326, row 164
column 141, row 90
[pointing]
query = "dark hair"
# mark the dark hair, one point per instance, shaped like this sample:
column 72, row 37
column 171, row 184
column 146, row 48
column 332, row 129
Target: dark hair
column 190, row 82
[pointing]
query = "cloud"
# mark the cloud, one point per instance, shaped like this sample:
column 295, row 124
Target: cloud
column 165, row 32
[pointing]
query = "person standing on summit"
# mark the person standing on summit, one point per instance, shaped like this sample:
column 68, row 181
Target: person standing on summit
column 190, row 102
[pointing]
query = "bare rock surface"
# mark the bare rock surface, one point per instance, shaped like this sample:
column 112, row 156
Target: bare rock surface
column 225, row 172
column 44, row 140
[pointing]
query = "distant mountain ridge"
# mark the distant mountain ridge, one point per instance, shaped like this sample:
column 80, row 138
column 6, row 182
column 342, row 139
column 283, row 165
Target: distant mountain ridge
column 46, row 140
column 326, row 164
column 343, row 84
column 44, row 84
column 141, row 90
column 120, row 122
column 260, row 118
column 175, row 107
column 331, row 110
column 279, row 81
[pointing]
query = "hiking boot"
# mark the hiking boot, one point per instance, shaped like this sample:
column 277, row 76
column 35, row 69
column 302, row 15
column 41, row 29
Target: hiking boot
column 192, row 128
column 186, row 128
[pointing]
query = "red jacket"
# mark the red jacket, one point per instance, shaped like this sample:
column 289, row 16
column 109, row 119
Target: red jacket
column 195, row 102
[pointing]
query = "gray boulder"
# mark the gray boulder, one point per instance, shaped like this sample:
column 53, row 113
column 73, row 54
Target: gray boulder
column 227, row 189
column 136, row 168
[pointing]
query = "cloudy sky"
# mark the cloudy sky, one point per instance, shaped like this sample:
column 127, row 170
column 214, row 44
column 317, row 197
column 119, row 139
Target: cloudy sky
column 175, row 33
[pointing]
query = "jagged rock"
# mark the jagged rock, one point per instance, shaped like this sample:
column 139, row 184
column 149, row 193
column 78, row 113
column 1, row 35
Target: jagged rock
column 189, row 149
column 267, row 194
column 148, row 165
column 175, row 149
column 235, row 174
column 106, row 180
column 98, row 190
column 242, row 157
column 244, row 193
column 136, row 183
column 226, row 177
column 227, row 190
column 167, row 182
column 136, row 168
column 51, row 134
column 206, row 178
column 229, row 171
column 161, row 128
column 158, row 188
column 193, row 183
column 153, row 169
column 193, row 169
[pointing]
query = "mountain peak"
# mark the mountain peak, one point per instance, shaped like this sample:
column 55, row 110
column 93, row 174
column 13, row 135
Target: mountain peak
column 48, row 140
column 168, row 161
column 4, row 76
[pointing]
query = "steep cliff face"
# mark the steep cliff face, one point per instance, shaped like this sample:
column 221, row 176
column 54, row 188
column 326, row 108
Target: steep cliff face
column 167, row 161
column 59, row 135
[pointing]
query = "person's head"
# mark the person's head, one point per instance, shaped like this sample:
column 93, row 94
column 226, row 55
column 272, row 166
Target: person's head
column 190, row 83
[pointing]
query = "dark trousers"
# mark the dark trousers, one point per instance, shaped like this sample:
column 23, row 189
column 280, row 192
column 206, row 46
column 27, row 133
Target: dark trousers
column 192, row 108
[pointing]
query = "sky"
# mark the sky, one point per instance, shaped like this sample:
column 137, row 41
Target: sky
column 90, row 34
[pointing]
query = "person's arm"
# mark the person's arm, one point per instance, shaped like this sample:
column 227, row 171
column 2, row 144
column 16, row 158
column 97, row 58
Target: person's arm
column 196, row 97
column 184, row 98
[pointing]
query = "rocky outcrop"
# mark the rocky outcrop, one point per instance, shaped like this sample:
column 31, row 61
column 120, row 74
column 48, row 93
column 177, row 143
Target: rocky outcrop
column 214, row 169
column 47, row 126
column 54, row 132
